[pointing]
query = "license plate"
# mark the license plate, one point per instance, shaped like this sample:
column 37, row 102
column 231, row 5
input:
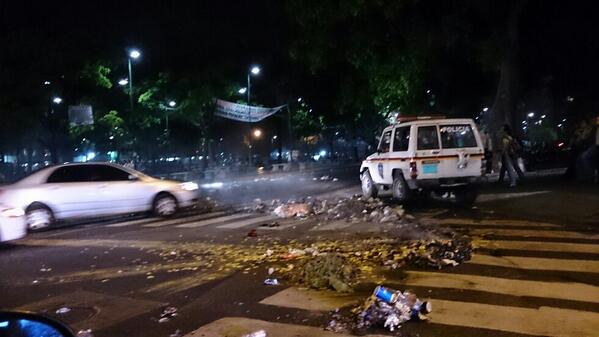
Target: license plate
column 429, row 168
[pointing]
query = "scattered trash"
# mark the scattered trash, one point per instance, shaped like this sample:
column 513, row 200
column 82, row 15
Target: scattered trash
column 270, row 225
column 45, row 270
column 85, row 333
column 390, row 308
column 291, row 210
column 335, row 179
column 167, row 314
column 63, row 310
column 259, row 333
column 177, row 333
column 253, row 233
column 35, row 282
column 330, row 271
column 271, row 282
column 271, row 270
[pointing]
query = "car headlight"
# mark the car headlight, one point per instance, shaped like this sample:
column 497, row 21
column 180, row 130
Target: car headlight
column 12, row 212
column 189, row 186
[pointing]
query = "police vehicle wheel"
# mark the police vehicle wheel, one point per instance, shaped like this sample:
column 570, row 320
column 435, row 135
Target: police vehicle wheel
column 369, row 189
column 401, row 191
column 466, row 195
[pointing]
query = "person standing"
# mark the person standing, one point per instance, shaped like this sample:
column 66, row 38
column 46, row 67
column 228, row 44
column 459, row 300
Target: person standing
column 488, row 147
column 507, row 149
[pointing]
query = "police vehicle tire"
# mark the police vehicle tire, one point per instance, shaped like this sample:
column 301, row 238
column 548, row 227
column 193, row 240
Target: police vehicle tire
column 466, row 195
column 401, row 191
column 369, row 189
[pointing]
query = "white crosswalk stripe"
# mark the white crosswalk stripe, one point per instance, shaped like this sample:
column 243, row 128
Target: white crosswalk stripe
column 184, row 220
column 208, row 222
column 247, row 222
column 133, row 222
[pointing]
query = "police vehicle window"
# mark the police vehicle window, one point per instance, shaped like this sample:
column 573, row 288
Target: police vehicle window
column 401, row 141
column 427, row 138
column 385, row 142
column 457, row 136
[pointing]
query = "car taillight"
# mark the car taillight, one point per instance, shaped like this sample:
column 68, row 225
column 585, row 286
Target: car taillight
column 413, row 170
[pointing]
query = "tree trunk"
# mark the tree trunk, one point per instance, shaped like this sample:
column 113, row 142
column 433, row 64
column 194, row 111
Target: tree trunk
column 504, row 105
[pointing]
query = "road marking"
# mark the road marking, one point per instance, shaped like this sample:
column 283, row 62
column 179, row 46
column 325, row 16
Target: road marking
column 248, row 222
column 133, row 222
column 213, row 221
column 558, row 290
column 241, row 326
column 335, row 225
column 535, row 233
column 176, row 285
column 544, row 321
column 504, row 196
column 184, row 220
column 535, row 263
column 491, row 222
column 561, row 247
column 308, row 299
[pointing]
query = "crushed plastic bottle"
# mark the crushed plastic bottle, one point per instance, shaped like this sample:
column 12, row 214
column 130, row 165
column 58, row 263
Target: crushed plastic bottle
column 271, row 282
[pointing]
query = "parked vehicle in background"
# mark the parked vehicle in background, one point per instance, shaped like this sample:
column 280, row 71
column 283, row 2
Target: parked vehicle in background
column 86, row 190
column 426, row 154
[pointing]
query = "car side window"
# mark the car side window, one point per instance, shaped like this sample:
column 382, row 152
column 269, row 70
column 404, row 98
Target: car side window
column 427, row 138
column 401, row 140
column 385, row 144
column 68, row 174
column 108, row 173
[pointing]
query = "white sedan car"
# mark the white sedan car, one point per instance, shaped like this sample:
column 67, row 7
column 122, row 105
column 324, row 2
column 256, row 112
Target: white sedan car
column 84, row 190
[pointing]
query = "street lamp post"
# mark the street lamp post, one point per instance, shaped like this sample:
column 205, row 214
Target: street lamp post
column 133, row 54
column 255, row 70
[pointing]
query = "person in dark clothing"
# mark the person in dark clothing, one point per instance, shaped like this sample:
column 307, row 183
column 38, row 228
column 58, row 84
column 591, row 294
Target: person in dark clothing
column 509, row 148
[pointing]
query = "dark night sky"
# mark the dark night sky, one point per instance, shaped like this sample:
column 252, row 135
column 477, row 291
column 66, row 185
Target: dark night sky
column 559, row 38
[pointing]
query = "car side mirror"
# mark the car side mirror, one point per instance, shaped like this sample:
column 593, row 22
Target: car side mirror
column 28, row 324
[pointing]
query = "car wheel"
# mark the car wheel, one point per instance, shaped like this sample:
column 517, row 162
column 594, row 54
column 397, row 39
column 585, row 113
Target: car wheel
column 38, row 216
column 466, row 195
column 165, row 205
column 401, row 191
column 369, row 188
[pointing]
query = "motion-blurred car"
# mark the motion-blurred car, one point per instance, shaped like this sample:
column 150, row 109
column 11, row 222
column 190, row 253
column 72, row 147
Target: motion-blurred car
column 85, row 190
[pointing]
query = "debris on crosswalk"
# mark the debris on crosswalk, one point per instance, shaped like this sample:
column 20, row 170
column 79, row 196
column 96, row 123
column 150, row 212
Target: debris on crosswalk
column 271, row 282
column 167, row 313
column 390, row 308
column 85, row 333
column 293, row 209
column 259, row 333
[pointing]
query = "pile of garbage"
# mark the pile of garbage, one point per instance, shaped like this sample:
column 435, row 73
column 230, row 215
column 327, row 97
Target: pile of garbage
column 354, row 209
column 329, row 270
column 340, row 264
column 390, row 308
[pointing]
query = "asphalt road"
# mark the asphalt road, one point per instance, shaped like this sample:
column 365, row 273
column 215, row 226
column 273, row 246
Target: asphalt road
column 535, row 271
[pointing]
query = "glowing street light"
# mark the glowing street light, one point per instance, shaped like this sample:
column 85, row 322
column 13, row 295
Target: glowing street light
column 123, row 82
column 242, row 90
column 531, row 114
column 57, row 100
column 46, row 82
column 172, row 104
column 133, row 54
column 299, row 99
column 485, row 109
column 257, row 133
column 254, row 70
